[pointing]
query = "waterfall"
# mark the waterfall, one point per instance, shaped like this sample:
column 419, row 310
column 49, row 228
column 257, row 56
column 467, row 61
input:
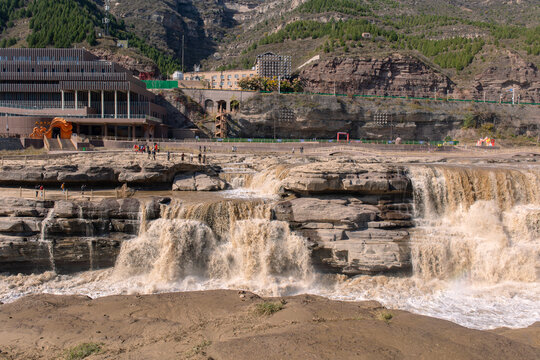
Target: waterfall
column 142, row 218
column 43, row 237
column 262, row 255
column 218, row 215
column 476, row 224
column 263, row 252
column 268, row 181
column 168, row 251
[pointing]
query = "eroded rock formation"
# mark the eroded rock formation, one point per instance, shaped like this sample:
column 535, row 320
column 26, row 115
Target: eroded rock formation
column 395, row 75
column 38, row 235
column 356, row 216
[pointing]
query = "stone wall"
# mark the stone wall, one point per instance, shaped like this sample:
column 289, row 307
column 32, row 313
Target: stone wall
column 10, row 144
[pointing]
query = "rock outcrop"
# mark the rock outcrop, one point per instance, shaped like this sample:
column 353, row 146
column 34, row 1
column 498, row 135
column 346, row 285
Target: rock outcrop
column 510, row 71
column 69, row 236
column 322, row 116
column 198, row 182
column 150, row 173
column 397, row 75
column 355, row 216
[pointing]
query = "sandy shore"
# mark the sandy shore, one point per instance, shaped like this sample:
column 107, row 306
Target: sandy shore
column 226, row 325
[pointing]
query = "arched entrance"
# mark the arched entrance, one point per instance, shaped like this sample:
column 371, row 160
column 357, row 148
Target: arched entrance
column 222, row 106
column 209, row 105
column 235, row 105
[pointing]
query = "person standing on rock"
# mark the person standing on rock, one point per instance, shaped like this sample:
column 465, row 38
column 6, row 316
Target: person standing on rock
column 182, row 157
column 204, row 159
column 37, row 190
column 154, row 154
column 168, row 156
column 63, row 187
column 83, row 188
column 200, row 158
column 42, row 189
column 190, row 158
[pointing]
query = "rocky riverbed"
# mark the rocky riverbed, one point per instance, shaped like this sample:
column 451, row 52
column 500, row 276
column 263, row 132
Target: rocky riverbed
column 451, row 235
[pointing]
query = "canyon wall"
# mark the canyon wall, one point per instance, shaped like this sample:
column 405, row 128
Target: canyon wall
column 318, row 116
column 395, row 75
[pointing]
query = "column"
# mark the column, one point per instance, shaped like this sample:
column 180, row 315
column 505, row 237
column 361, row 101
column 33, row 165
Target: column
column 115, row 131
column 76, row 100
column 115, row 104
column 102, row 104
column 134, row 132
column 89, row 99
column 78, row 129
column 128, row 104
column 63, row 100
column 104, row 132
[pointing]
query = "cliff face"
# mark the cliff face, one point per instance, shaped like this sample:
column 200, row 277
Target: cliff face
column 511, row 71
column 310, row 116
column 396, row 75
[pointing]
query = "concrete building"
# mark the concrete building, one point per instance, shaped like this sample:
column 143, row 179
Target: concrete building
column 224, row 80
column 96, row 97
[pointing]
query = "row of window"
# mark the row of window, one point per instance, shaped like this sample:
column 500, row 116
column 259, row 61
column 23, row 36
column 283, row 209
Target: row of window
column 214, row 77
column 229, row 83
column 54, row 70
column 38, row 58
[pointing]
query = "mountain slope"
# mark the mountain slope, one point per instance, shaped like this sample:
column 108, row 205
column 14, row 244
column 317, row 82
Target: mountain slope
column 466, row 41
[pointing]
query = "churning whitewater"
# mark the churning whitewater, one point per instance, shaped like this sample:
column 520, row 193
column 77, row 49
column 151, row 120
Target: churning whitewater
column 475, row 252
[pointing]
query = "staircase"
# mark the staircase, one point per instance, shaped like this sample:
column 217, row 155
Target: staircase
column 221, row 126
column 66, row 144
column 58, row 144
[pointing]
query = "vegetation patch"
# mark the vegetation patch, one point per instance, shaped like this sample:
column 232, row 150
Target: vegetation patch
column 82, row 351
column 268, row 308
column 385, row 316
column 199, row 348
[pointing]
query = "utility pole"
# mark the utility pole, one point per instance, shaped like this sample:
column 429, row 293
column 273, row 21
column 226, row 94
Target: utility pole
column 106, row 20
column 183, row 48
column 513, row 96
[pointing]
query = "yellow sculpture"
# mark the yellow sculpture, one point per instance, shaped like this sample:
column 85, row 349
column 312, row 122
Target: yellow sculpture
column 66, row 128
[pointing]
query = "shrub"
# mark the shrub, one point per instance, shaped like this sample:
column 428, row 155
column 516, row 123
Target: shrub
column 268, row 308
column 385, row 316
column 469, row 121
column 82, row 351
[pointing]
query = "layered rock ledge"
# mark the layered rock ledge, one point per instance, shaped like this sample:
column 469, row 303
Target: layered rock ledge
column 37, row 235
column 143, row 174
column 355, row 216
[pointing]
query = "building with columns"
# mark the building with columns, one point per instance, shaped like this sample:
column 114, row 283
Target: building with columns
column 99, row 98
